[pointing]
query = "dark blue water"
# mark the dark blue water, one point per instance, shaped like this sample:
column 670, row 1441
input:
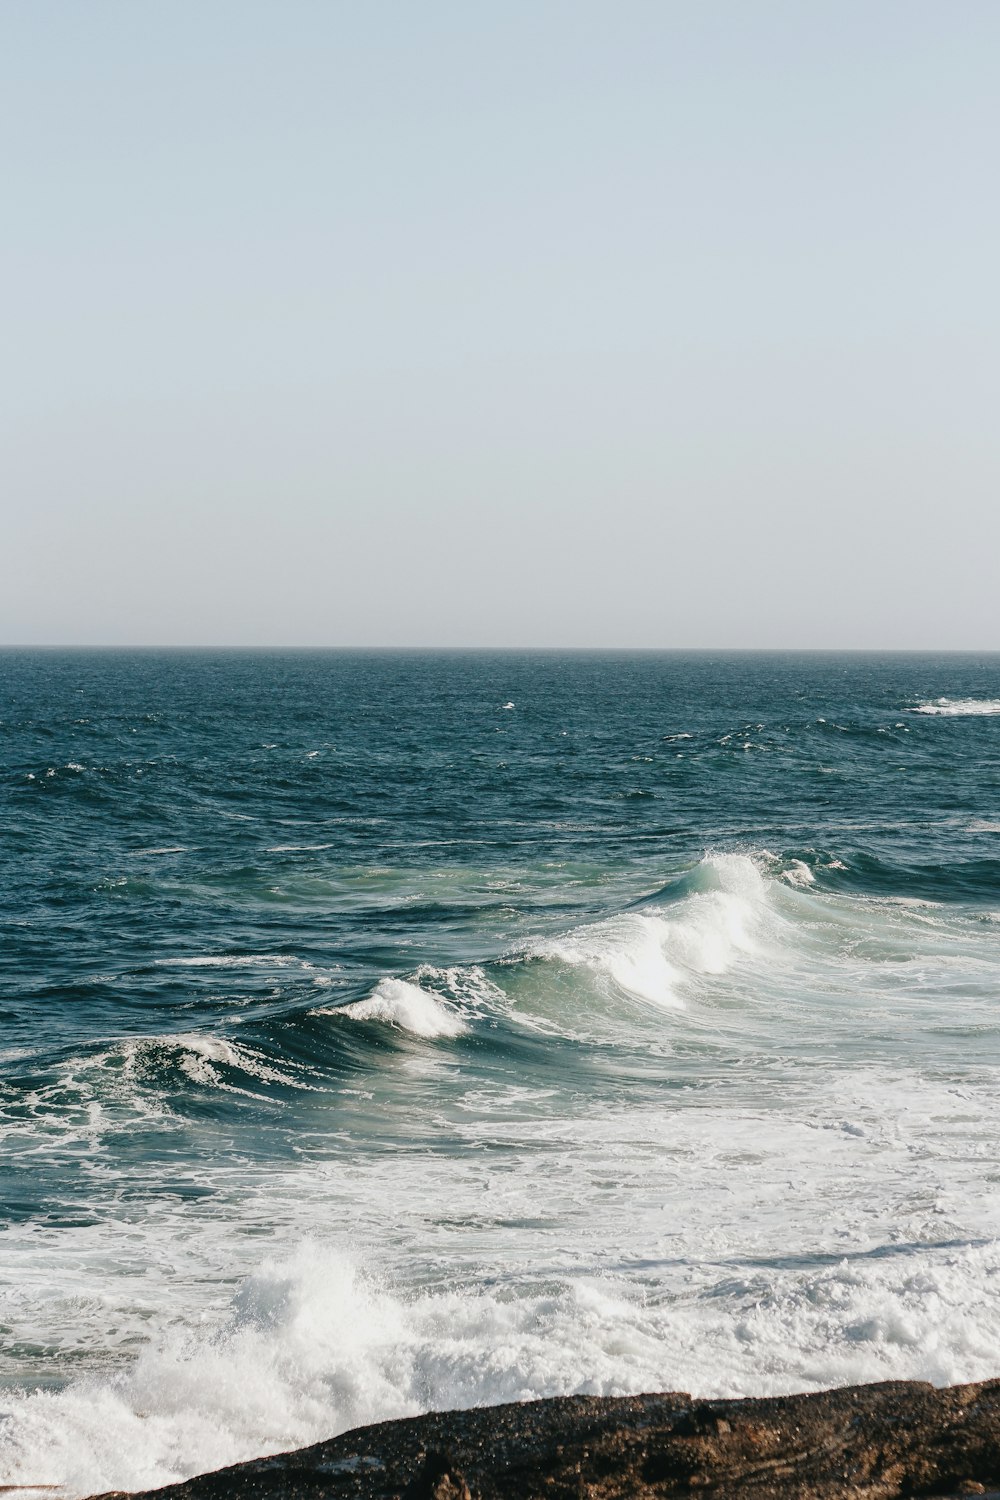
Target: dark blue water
column 405, row 1030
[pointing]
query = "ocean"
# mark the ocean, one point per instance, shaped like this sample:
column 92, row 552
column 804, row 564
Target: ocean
column 394, row 1031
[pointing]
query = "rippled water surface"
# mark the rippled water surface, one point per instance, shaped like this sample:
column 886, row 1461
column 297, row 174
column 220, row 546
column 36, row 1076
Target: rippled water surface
column 392, row 1031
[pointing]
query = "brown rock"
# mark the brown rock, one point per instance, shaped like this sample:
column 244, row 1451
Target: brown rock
column 439, row 1479
column 876, row 1442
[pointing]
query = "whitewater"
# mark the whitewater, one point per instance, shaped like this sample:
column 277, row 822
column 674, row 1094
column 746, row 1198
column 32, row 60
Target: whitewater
column 389, row 1032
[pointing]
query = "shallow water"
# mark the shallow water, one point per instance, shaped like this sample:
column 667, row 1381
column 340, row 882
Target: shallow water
column 393, row 1031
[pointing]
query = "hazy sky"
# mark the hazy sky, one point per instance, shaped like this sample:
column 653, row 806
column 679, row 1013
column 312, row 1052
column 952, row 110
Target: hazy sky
column 624, row 323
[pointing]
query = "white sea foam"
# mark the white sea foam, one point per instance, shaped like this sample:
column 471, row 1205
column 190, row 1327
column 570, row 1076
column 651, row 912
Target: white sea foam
column 959, row 707
column 397, row 1002
column 113, row 1091
column 591, row 1249
column 466, row 987
column 201, row 1056
column 312, row 1347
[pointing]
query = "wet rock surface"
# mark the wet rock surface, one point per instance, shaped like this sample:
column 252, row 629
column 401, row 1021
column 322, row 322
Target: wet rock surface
column 878, row 1441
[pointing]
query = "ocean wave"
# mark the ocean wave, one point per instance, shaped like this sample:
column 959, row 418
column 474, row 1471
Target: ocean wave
column 138, row 1082
column 398, row 1003
column 208, row 1059
column 233, row 961
column 718, row 911
column 864, row 876
column 733, row 925
column 959, row 707
column 432, row 1002
column 743, row 940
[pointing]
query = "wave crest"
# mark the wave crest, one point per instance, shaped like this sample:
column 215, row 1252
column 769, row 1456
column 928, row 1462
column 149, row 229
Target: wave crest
column 400, row 1003
column 721, row 907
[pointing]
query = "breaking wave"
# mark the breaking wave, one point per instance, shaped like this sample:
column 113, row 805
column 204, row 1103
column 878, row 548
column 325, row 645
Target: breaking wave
column 397, row 1002
column 647, row 954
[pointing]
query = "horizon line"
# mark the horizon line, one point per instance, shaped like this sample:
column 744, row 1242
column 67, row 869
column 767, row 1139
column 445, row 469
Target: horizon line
column 12, row 646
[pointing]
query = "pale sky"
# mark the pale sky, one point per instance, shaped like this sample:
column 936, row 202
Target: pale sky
column 634, row 323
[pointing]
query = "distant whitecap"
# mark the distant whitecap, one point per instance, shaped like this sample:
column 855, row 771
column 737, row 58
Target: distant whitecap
column 960, row 707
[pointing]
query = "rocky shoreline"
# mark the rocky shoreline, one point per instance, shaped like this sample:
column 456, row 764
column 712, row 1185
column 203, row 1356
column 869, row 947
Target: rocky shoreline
column 875, row 1441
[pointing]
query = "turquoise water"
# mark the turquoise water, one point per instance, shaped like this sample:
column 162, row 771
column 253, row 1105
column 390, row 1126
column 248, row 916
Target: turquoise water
column 394, row 1031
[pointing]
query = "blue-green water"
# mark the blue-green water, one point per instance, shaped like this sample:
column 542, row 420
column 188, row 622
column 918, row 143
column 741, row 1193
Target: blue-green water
column 391, row 1031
